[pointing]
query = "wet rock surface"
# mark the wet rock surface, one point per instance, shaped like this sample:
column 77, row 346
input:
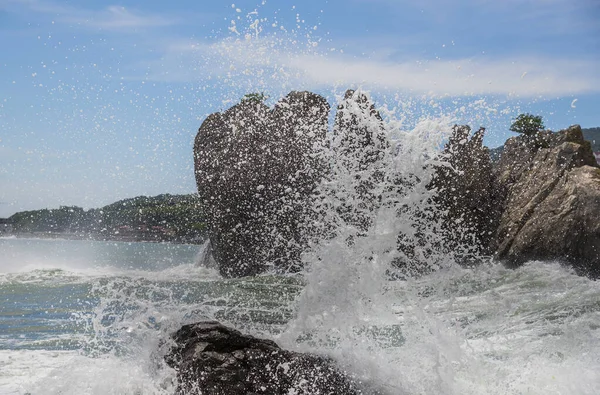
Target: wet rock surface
column 360, row 144
column 552, row 202
column 212, row 359
column 258, row 171
column 466, row 192
column 255, row 169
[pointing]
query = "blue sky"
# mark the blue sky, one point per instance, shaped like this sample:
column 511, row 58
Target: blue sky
column 101, row 101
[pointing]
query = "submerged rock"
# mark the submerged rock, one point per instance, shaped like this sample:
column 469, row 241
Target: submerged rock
column 212, row 359
column 552, row 202
column 255, row 169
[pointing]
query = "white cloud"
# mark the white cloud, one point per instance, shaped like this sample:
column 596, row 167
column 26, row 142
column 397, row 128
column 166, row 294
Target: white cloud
column 462, row 77
column 112, row 18
column 283, row 61
column 119, row 18
column 276, row 63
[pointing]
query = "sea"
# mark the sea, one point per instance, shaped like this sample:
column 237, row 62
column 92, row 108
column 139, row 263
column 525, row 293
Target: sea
column 95, row 317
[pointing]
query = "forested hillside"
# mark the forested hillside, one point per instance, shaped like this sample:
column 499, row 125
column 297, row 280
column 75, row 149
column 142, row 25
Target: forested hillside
column 163, row 217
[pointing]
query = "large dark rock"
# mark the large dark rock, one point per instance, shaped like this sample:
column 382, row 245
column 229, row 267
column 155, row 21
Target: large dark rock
column 256, row 169
column 359, row 145
column 467, row 193
column 552, row 201
column 212, row 359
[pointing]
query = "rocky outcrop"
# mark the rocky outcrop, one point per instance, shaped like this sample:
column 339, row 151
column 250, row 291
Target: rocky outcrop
column 259, row 173
column 552, row 201
column 359, row 146
column 467, row 192
column 212, row 359
column 255, row 169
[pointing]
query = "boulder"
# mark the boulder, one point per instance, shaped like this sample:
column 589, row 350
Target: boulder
column 552, row 202
column 255, row 169
column 212, row 359
column 518, row 153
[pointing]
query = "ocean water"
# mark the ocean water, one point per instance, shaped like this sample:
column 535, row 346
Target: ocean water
column 90, row 317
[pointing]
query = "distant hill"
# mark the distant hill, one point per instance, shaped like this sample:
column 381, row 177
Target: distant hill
column 593, row 136
column 159, row 218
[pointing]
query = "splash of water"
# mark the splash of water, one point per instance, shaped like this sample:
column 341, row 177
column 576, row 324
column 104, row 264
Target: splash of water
column 377, row 224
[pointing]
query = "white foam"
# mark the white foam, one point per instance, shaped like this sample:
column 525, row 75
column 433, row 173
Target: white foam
column 491, row 330
column 69, row 373
column 534, row 330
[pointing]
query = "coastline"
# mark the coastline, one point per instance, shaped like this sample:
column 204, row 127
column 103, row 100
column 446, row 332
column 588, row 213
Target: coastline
column 153, row 238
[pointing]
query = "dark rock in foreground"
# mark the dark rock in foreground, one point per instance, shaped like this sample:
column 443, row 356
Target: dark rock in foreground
column 212, row 359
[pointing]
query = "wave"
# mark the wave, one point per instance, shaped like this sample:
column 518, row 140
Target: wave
column 493, row 330
column 68, row 372
column 50, row 274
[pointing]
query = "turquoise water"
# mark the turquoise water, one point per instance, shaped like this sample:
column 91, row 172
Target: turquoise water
column 62, row 299
column 88, row 317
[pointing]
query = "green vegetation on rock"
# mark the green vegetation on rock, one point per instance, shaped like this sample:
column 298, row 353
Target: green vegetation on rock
column 527, row 124
column 258, row 97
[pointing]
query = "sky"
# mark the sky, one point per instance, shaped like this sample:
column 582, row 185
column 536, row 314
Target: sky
column 101, row 101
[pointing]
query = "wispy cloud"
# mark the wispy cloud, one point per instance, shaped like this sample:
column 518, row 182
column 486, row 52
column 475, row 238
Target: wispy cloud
column 268, row 59
column 282, row 61
column 119, row 18
column 112, row 18
column 461, row 77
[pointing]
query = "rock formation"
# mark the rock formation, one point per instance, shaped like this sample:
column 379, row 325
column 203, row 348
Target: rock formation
column 551, row 201
column 540, row 200
column 212, row 359
column 467, row 193
column 259, row 174
column 359, row 148
column 255, row 169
